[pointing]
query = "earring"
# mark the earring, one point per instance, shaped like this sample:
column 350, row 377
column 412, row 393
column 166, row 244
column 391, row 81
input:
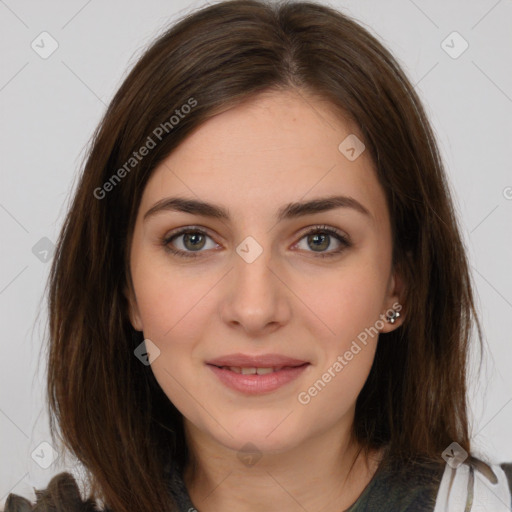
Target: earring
column 393, row 316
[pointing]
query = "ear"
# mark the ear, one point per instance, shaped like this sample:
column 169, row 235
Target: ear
column 133, row 308
column 393, row 302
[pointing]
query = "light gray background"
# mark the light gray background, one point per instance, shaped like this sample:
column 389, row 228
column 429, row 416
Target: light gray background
column 50, row 107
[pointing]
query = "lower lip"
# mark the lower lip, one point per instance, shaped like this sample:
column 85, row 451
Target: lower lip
column 257, row 384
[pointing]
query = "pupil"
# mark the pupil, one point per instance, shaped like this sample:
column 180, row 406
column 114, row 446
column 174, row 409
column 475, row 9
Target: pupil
column 194, row 236
column 316, row 237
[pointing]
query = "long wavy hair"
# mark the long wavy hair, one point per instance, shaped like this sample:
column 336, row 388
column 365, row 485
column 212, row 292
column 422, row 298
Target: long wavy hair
column 107, row 408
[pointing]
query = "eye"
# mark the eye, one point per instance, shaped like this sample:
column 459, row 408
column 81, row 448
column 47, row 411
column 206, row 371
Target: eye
column 320, row 238
column 192, row 240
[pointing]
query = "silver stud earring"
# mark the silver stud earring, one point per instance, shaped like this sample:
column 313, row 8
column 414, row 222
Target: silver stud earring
column 393, row 316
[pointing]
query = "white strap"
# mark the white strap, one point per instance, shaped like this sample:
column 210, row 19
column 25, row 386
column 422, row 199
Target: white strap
column 464, row 489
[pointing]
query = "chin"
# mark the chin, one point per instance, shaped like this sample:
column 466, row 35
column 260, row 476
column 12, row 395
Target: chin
column 266, row 432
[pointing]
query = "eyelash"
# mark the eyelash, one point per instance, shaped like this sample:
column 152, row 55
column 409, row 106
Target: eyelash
column 166, row 240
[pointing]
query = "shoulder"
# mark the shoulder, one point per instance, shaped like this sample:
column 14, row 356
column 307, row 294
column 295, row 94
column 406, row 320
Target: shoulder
column 408, row 485
column 62, row 493
column 433, row 485
column 476, row 482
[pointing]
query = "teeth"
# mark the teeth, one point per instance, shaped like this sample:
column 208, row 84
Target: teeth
column 252, row 371
column 263, row 371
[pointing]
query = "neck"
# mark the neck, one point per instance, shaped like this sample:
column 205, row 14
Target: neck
column 326, row 473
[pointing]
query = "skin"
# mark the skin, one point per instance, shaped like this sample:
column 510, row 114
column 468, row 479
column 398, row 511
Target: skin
column 277, row 148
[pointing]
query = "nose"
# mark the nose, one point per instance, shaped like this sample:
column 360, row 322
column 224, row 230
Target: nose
column 256, row 298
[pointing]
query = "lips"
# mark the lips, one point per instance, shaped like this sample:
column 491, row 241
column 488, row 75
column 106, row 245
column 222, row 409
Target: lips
column 263, row 361
column 253, row 370
column 254, row 375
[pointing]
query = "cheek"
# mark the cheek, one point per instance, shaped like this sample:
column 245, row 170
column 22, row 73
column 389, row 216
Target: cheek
column 346, row 301
column 170, row 299
column 350, row 307
column 175, row 312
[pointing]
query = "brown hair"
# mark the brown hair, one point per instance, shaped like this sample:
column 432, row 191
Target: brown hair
column 111, row 412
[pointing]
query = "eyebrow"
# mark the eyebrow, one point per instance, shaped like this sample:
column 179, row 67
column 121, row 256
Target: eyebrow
column 289, row 211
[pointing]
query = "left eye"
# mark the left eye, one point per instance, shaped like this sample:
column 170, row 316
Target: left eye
column 194, row 239
column 320, row 238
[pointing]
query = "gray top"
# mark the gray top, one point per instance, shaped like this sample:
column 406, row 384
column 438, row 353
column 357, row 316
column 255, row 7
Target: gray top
column 405, row 489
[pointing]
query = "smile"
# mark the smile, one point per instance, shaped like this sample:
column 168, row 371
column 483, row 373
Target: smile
column 252, row 371
column 257, row 380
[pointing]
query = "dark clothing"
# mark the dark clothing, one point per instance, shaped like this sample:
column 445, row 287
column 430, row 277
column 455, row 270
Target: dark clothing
column 405, row 489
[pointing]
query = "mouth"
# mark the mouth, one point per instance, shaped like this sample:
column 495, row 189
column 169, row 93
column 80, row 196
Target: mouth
column 254, row 380
column 244, row 370
column 262, row 361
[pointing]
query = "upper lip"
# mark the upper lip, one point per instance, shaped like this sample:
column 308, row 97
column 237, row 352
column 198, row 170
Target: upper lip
column 260, row 361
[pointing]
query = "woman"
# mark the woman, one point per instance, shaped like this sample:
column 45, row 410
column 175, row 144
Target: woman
column 260, row 298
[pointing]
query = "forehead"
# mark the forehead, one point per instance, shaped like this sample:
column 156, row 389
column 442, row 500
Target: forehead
column 276, row 148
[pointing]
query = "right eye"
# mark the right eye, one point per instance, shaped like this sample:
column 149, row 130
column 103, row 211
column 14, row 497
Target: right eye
column 193, row 240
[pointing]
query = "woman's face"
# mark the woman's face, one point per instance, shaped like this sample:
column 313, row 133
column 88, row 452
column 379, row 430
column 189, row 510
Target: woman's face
column 255, row 282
